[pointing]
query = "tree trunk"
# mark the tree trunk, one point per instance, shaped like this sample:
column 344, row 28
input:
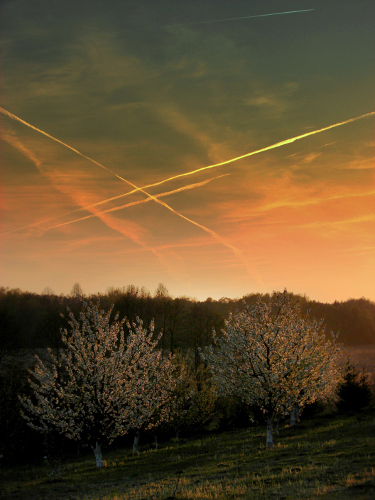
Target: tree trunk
column 294, row 415
column 278, row 425
column 156, row 442
column 98, row 455
column 136, row 443
column 269, row 441
column 55, row 467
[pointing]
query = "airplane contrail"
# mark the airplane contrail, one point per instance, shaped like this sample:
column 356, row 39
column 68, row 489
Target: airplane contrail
column 136, row 188
column 14, row 117
column 113, row 209
column 217, row 237
column 232, row 160
column 267, row 148
column 312, row 149
column 239, row 18
column 250, row 269
column 192, row 172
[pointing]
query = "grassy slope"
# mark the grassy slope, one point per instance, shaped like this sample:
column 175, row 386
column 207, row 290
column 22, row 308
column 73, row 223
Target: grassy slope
column 325, row 458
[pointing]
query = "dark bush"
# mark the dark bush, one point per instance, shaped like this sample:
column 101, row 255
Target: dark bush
column 354, row 392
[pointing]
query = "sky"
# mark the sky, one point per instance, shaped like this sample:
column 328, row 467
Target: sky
column 136, row 146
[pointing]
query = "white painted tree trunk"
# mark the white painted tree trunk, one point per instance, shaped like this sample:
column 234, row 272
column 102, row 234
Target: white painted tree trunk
column 294, row 415
column 56, row 470
column 98, row 455
column 136, row 443
column 269, row 441
column 156, row 442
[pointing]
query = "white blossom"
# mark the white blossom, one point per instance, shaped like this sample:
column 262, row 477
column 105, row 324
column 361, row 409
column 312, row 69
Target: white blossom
column 272, row 357
column 103, row 383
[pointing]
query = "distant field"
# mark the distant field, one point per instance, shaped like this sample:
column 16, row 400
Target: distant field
column 363, row 358
column 326, row 458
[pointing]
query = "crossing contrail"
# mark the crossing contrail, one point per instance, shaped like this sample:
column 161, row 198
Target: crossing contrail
column 239, row 18
column 240, row 256
column 267, row 148
column 192, row 172
column 108, row 210
column 136, row 188
column 252, row 153
column 142, row 189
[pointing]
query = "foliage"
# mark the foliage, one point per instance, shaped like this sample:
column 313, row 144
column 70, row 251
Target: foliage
column 16, row 438
column 354, row 392
column 193, row 399
column 272, row 357
column 232, row 413
column 102, row 384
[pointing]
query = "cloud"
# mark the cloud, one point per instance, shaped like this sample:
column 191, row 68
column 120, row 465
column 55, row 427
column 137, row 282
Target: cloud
column 268, row 103
column 342, row 223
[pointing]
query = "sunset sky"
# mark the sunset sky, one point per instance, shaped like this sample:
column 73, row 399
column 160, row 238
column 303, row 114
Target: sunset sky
column 100, row 98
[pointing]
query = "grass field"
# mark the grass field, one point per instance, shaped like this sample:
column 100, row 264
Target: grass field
column 325, row 458
column 363, row 358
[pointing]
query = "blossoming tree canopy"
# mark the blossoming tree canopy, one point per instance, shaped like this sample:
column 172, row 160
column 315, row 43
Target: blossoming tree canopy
column 271, row 356
column 103, row 383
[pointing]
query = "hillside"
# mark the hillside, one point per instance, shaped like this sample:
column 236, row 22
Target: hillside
column 323, row 459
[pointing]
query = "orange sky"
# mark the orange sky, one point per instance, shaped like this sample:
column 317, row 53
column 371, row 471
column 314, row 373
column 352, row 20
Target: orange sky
column 137, row 104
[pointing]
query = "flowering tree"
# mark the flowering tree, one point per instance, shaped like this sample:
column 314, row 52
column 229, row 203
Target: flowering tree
column 272, row 357
column 103, row 384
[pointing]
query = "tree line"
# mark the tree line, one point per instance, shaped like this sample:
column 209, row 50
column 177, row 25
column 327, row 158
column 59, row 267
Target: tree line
column 30, row 320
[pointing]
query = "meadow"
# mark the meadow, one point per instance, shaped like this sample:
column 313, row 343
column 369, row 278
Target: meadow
column 362, row 357
column 331, row 457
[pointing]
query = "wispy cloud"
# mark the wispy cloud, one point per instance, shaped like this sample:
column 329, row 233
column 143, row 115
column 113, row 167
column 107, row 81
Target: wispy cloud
column 342, row 222
column 311, row 200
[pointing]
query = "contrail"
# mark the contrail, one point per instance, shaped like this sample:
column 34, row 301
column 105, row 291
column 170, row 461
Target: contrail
column 251, row 270
column 125, row 229
column 239, row 18
column 226, row 162
column 192, row 172
column 312, row 149
column 217, row 237
column 136, row 188
column 113, row 209
column 273, row 146
column 14, row 117
column 232, row 160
